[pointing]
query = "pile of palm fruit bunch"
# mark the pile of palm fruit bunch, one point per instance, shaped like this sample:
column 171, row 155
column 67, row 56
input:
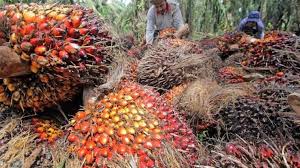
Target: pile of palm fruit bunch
column 277, row 51
column 262, row 117
column 132, row 121
column 64, row 47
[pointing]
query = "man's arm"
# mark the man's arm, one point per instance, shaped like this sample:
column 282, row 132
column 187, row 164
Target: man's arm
column 177, row 16
column 150, row 29
column 261, row 29
column 242, row 25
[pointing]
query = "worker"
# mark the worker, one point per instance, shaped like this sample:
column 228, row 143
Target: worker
column 164, row 14
column 253, row 25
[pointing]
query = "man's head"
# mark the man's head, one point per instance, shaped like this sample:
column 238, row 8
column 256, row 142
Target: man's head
column 254, row 15
column 160, row 5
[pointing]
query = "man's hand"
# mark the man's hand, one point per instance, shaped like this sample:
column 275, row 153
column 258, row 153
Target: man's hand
column 183, row 30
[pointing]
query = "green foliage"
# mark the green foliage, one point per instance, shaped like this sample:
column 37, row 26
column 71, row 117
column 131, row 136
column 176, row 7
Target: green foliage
column 205, row 17
column 201, row 136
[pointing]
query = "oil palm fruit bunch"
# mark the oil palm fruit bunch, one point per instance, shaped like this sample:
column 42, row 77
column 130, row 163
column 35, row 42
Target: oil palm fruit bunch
column 47, row 130
column 166, row 33
column 63, row 46
column 253, row 118
column 154, row 68
column 224, row 42
column 276, row 51
column 132, row 121
column 167, row 64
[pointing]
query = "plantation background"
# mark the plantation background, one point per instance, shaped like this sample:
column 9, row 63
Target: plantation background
column 205, row 17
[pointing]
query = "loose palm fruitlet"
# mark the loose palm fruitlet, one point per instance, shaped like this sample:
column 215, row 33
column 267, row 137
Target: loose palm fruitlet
column 65, row 47
column 46, row 130
column 131, row 121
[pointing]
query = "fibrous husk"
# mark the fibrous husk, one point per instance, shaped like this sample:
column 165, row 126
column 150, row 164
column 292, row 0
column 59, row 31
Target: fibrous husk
column 205, row 97
column 242, row 153
column 173, row 61
column 294, row 101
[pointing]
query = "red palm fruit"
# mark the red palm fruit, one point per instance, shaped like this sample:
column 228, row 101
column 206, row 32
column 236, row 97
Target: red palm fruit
column 63, row 54
column 27, row 29
column 68, row 24
column 72, row 48
column 43, row 26
column 35, row 41
column 76, row 21
column 98, row 60
column 29, row 16
column 82, row 53
column 90, row 145
column 41, row 60
column 2, row 13
column 40, row 50
column 89, row 158
column 58, row 45
column 90, row 50
column 81, row 152
column 83, row 31
column 71, row 40
column 48, row 41
column 26, row 46
column 14, row 28
column 82, row 66
column 121, row 149
column 16, row 18
column 73, row 33
column 87, row 41
column 94, row 30
column 54, row 53
column 57, row 31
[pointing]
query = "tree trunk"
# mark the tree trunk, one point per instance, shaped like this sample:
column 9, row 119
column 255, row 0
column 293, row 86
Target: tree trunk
column 189, row 15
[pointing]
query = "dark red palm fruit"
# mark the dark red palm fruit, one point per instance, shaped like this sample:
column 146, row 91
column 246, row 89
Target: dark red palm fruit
column 58, row 31
column 63, row 55
column 43, row 26
column 35, row 41
column 26, row 46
